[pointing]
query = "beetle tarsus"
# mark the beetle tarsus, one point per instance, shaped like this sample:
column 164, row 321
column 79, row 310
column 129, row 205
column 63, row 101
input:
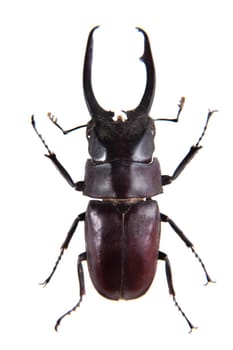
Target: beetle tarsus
column 188, row 243
column 44, row 284
column 33, row 122
column 209, row 280
column 82, row 257
column 210, row 113
column 65, row 244
column 164, row 257
column 66, row 314
column 191, row 326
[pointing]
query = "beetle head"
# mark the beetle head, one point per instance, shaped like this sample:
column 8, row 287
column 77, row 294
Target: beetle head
column 130, row 138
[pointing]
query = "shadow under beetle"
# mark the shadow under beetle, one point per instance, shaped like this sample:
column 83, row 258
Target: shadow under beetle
column 122, row 230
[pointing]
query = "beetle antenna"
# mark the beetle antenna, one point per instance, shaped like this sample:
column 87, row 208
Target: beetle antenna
column 65, row 132
column 175, row 120
column 39, row 135
column 205, row 126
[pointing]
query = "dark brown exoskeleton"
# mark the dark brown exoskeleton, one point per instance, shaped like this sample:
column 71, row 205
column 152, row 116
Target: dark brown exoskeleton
column 122, row 224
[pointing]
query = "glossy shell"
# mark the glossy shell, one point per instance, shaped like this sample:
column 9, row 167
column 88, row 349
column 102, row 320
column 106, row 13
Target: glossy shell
column 122, row 179
column 122, row 242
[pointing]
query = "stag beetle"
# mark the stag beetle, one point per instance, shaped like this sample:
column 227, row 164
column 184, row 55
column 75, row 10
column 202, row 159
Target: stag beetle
column 122, row 224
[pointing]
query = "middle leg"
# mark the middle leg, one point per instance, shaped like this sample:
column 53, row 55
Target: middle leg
column 189, row 244
column 80, row 217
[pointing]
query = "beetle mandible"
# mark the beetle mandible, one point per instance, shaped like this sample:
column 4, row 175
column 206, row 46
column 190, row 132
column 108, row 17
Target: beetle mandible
column 122, row 224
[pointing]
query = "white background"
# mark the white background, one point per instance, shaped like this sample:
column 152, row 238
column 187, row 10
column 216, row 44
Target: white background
column 42, row 47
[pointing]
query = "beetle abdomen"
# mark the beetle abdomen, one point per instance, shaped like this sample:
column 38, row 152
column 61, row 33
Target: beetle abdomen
column 122, row 242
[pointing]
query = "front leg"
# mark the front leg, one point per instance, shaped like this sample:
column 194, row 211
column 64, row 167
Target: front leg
column 167, row 179
column 78, row 186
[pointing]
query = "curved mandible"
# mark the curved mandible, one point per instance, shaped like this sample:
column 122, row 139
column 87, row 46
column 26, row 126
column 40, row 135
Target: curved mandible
column 145, row 104
column 94, row 108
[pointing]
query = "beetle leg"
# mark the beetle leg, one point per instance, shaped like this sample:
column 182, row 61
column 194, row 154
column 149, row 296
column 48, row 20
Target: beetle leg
column 167, row 179
column 164, row 257
column 189, row 244
column 82, row 257
column 79, row 186
column 81, row 217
